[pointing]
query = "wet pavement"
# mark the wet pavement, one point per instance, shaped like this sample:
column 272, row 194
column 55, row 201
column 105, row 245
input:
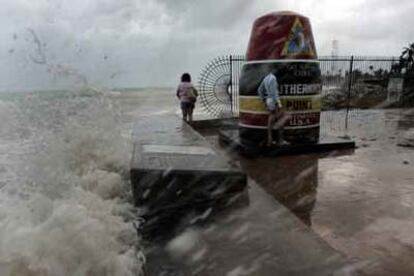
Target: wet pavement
column 365, row 201
column 360, row 202
column 257, row 237
column 201, row 219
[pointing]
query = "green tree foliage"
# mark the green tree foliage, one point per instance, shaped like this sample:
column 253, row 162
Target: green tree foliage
column 406, row 62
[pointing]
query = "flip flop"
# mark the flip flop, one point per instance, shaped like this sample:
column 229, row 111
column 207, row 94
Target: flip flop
column 283, row 143
column 273, row 143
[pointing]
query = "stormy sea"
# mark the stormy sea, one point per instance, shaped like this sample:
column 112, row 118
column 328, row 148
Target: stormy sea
column 64, row 182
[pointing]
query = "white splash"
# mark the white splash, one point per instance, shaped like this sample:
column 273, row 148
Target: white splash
column 66, row 211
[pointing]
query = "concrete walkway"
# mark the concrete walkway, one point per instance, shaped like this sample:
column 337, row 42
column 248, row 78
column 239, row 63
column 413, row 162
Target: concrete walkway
column 254, row 236
column 260, row 238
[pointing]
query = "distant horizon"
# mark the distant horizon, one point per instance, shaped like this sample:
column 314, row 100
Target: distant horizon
column 69, row 87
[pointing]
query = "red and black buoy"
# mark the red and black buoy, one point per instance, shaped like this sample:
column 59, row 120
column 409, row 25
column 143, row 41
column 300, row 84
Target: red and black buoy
column 282, row 43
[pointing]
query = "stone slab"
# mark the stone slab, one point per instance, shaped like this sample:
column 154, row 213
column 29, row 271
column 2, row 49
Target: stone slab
column 222, row 123
column 174, row 167
column 185, row 150
column 232, row 139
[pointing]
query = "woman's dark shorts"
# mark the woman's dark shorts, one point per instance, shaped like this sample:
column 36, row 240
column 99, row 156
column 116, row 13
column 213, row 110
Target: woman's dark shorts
column 187, row 106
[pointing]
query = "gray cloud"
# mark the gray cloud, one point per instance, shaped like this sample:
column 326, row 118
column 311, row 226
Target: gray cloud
column 379, row 29
column 224, row 14
column 151, row 42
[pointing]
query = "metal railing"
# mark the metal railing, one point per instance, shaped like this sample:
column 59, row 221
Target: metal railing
column 343, row 77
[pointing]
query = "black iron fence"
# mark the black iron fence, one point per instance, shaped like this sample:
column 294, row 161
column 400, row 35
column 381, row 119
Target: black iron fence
column 347, row 82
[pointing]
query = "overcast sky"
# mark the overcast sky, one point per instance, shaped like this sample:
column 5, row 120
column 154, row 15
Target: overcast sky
column 55, row 43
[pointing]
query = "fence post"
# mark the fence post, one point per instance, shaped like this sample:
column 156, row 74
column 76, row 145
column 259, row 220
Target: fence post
column 231, row 84
column 351, row 66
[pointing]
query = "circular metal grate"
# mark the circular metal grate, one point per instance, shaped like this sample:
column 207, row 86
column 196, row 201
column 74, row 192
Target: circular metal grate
column 215, row 88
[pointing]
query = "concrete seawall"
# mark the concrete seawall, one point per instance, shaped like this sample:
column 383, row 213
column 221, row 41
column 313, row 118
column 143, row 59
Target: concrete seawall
column 253, row 236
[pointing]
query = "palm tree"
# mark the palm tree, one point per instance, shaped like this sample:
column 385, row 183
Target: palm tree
column 407, row 57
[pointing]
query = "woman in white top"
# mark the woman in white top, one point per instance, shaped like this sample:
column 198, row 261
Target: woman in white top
column 187, row 94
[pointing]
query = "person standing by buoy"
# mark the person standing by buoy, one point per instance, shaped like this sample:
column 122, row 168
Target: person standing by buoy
column 268, row 91
column 187, row 94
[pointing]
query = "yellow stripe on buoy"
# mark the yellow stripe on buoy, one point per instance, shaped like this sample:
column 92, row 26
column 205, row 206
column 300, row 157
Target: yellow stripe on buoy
column 289, row 103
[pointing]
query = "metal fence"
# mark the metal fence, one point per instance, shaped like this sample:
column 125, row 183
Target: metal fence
column 219, row 85
column 347, row 82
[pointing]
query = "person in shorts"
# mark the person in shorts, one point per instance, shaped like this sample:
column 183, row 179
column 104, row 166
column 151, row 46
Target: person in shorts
column 187, row 94
column 269, row 93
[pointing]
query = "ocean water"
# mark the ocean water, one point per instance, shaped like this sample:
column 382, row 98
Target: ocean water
column 64, row 187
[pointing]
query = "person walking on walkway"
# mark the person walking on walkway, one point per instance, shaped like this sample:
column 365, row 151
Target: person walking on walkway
column 187, row 94
column 269, row 93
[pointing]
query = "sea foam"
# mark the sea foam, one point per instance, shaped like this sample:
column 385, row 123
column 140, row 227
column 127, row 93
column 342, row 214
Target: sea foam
column 66, row 209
